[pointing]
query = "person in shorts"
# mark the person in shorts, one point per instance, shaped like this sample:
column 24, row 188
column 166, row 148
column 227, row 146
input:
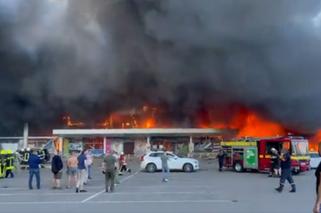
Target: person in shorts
column 56, row 169
column 72, row 164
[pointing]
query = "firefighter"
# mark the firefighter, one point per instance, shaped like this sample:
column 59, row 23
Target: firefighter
column 10, row 164
column 275, row 164
column 26, row 154
column 2, row 163
column 41, row 153
column 220, row 157
column 286, row 173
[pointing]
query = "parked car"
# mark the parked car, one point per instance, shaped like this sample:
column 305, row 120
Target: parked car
column 315, row 160
column 151, row 162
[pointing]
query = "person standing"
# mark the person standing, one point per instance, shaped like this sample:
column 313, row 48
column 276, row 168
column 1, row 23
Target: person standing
column 81, row 174
column 115, row 154
column 10, row 164
column 2, row 163
column 316, row 208
column 220, row 156
column 110, row 171
column 72, row 164
column 123, row 163
column 286, row 173
column 56, row 169
column 34, row 163
column 165, row 169
column 89, row 163
column 275, row 163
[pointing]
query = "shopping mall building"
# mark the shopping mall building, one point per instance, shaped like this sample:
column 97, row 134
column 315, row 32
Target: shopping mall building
column 138, row 141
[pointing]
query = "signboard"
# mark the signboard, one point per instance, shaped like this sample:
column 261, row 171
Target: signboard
column 251, row 160
column 76, row 146
column 238, row 143
column 97, row 152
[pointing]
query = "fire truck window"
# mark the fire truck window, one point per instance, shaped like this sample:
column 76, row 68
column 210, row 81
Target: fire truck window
column 238, row 154
column 270, row 145
column 286, row 145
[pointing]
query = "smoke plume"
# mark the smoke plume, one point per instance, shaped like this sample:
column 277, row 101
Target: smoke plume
column 92, row 57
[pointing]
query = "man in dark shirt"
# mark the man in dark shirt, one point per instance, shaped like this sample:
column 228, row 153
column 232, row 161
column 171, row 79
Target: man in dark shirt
column 34, row 162
column 56, row 168
column 317, row 204
column 110, row 171
column 286, row 173
column 220, row 156
column 81, row 172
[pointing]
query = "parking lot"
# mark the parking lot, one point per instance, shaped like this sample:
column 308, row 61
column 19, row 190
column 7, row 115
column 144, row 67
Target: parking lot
column 204, row 191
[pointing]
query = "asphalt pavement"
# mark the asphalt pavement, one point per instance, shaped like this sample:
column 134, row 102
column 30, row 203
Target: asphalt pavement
column 205, row 191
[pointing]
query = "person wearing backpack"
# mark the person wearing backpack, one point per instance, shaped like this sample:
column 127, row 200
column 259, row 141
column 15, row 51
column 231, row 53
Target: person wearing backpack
column 56, row 169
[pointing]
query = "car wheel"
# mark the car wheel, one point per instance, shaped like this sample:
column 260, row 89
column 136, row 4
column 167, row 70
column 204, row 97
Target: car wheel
column 188, row 167
column 151, row 168
column 238, row 167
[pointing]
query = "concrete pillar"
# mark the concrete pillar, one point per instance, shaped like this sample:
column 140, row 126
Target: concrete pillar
column 58, row 144
column 104, row 144
column 190, row 146
column 25, row 135
column 148, row 145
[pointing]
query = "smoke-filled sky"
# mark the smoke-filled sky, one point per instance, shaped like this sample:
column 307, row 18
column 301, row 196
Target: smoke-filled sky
column 92, row 57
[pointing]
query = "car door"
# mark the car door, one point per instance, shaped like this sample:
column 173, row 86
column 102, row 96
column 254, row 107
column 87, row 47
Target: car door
column 173, row 162
column 156, row 159
column 314, row 161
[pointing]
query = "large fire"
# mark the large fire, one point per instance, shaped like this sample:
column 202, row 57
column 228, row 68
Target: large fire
column 241, row 121
column 246, row 123
column 145, row 117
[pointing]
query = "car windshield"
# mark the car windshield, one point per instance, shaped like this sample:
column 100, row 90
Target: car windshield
column 300, row 147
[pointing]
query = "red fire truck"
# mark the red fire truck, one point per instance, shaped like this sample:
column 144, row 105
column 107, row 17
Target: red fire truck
column 255, row 154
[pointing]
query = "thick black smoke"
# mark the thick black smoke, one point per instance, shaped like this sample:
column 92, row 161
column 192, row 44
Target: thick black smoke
column 91, row 57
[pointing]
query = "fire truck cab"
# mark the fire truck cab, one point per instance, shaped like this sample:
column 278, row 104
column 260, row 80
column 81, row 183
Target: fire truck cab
column 255, row 154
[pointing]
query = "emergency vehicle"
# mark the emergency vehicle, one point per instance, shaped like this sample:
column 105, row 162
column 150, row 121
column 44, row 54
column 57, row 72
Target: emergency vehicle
column 255, row 154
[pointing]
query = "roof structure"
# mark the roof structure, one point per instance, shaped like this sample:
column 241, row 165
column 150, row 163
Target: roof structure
column 136, row 132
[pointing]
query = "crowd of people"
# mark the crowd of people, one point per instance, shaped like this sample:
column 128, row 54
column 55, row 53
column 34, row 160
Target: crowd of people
column 78, row 169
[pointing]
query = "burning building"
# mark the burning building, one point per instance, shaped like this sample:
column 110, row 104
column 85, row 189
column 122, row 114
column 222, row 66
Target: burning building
column 249, row 66
column 138, row 141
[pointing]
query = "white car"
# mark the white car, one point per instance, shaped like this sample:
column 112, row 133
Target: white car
column 315, row 160
column 151, row 162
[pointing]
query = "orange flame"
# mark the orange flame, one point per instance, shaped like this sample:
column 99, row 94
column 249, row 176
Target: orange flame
column 247, row 124
column 315, row 141
column 144, row 117
column 70, row 123
column 256, row 126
